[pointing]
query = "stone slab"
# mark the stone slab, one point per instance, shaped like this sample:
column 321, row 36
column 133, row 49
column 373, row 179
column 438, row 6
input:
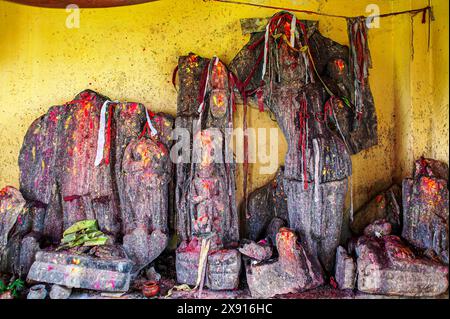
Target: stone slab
column 77, row 271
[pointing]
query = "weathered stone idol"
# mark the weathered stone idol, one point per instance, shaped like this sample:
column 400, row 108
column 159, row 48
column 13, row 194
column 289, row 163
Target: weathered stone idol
column 387, row 266
column 425, row 208
column 205, row 190
column 97, row 159
column 303, row 78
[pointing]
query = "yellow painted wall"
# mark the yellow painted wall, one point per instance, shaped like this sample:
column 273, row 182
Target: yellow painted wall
column 128, row 53
column 421, row 80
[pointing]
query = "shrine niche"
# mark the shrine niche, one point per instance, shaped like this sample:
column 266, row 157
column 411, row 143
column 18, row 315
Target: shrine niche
column 116, row 201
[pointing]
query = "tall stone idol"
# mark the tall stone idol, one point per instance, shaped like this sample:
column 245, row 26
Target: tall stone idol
column 308, row 82
column 205, row 191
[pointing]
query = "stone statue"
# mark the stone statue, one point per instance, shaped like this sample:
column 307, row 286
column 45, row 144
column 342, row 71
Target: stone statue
column 301, row 77
column 205, row 190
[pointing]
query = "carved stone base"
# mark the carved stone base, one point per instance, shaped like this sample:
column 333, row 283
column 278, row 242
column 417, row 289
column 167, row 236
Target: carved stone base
column 387, row 266
column 222, row 273
column 79, row 271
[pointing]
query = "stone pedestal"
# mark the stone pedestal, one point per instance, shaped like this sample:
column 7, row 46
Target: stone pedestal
column 222, row 272
column 78, row 271
column 387, row 266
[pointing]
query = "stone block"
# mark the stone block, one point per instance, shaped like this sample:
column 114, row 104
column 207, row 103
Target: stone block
column 387, row 266
column 78, row 271
column 345, row 269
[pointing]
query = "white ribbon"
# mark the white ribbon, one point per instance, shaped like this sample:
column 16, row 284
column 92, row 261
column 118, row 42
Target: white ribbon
column 152, row 128
column 293, row 27
column 214, row 60
column 101, row 133
column 266, row 47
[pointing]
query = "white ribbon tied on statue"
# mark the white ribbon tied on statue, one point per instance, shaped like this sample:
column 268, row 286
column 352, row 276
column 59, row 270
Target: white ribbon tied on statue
column 293, row 26
column 101, row 133
column 266, row 47
column 150, row 125
column 215, row 61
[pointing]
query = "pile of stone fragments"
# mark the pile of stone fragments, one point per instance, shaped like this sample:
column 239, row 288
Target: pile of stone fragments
column 399, row 244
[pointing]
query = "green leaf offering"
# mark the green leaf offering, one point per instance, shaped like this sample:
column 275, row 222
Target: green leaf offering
column 81, row 225
column 83, row 233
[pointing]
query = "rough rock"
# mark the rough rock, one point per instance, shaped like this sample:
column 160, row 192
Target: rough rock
column 378, row 228
column 60, row 292
column 152, row 274
column 345, row 269
column 37, row 292
column 264, row 205
column 293, row 271
column 81, row 271
column 425, row 208
column 385, row 205
column 259, row 251
column 389, row 267
column 224, row 268
column 16, row 251
column 11, row 206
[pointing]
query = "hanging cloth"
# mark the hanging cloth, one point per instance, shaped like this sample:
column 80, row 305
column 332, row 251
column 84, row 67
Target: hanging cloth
column 360, row 62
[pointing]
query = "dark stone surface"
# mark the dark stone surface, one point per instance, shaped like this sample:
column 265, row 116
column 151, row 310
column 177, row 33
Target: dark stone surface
column 81, row 271
column 17, row 244
column 345, row 269
column 273, row 228
column 386, row 205
column 264, row 204
column 294, row 270
column 60, row 292
column 316, row 214
column 425, row 209
column 387, row 266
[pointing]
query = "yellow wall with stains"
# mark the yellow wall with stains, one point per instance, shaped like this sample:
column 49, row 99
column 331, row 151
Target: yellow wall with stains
column 129, row 53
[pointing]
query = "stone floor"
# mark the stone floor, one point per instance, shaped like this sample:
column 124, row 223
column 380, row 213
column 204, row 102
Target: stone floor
column 325, row 292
